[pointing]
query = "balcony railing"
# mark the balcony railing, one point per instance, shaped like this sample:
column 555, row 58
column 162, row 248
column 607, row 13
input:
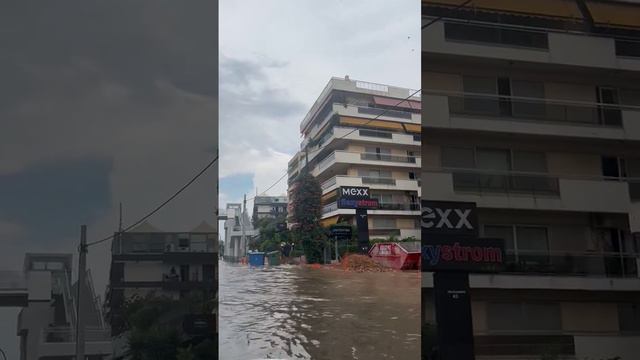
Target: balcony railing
column 378, row 180
column 505, row 182
column 399, row 206
column 628, row 48
column 376, row 133
column 536, row 110
column 615, row 265
column 68, row 335
column 498, row 35
column 329, row 183
column 330, row 207
column 387, row 157
column 384, row 112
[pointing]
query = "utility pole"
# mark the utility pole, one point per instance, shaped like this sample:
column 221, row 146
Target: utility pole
column 242, row 228
column 82, row 270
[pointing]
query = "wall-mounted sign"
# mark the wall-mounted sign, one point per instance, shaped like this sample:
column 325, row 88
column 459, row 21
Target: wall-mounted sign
column 358, row 204
column 449, row 218
column 353, row 192
column 479, row 255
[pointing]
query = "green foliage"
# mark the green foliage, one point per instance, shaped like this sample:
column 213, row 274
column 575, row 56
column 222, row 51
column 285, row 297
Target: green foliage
column 305, row 199
column 155, row 323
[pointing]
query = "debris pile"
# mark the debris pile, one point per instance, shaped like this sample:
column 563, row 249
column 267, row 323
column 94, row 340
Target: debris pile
column 361, row 263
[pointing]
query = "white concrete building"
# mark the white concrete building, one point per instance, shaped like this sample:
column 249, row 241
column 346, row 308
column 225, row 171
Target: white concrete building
column 349, row 141
column 146, row 260
column 48, row 298
column 234, row 245
column 532, row 111
column 269, row 207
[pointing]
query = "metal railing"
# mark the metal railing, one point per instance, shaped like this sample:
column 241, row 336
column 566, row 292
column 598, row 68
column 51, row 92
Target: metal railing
column 504, row 182
column 375, row 133
column 329, row 183
column 378, row 180
column 330, row 207
column 536, row 110
column 388, row 157
column 499, row 35
column 601, row 264
column 404, row 206
column 68, row 335
column 384, row 112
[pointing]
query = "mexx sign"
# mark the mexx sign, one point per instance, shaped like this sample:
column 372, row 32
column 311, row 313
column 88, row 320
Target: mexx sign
column 354, row 192
column 449, row 218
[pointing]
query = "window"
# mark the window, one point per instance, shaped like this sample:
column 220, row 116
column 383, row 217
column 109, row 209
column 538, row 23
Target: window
column 506, row 316
column 627, row 48
column 382, row 197
column 629, row 315
column 611, row 167
column 633, row 172
column 527, row 242
column 475, row 102
column 412, row 175
column 458, row 157
column 384, row 223
column 528, row 108
column 610, row 114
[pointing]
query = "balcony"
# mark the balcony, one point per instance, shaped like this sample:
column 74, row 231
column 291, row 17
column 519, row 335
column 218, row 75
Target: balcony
column 376, row 183
column 60, row 342
column 522, row 190
column 386, row 208
column 591, row 264
column 366, row 135
column 525, row 44
column 489, row 112
column 342, row 160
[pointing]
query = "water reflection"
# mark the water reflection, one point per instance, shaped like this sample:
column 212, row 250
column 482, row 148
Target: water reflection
column 289, row 312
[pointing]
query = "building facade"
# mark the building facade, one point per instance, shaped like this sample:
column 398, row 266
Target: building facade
column 269, row 207
column 236, row 240
column 147, row 261
column 48, row 318
column 364, row 134
column 532, row 111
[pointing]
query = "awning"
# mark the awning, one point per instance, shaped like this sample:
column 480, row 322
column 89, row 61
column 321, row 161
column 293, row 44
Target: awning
column 406, row 104
column 413, row 128
column 545, row 8
column 615, row 14
column 379, row 124
column 329, row 221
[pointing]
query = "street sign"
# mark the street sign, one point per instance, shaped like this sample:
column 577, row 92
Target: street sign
column 341, row 231
column 449, row 218
column 478, row 255
column 362, row 221
column 199, row 324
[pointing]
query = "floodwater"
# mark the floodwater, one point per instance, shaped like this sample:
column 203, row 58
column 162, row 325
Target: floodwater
column 292, row 312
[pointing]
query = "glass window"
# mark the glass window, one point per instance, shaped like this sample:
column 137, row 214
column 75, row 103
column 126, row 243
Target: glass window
column 493, row 159
column 504, row 316
column 528, row 108
column 384, row 223
column 529, row 161
column 629, row 315
column 501, row 232
column 458, row 157
column 531, row 238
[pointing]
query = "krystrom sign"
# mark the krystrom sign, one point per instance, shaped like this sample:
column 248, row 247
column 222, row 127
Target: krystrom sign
column 470, row 255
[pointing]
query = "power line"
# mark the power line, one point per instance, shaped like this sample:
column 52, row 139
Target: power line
column 152, row 212
column 440, row 17
column 384, row 111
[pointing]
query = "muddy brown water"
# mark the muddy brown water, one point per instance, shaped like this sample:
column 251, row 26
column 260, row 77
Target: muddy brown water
column 291, row 312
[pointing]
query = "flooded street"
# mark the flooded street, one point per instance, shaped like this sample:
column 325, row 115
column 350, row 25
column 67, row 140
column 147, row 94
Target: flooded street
column 290, row 312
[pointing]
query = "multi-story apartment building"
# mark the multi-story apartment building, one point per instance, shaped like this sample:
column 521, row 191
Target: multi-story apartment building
column 146, row 260
column 269, row 207
column 532, row 111
column 48, row 318
column 364, row 134
column 235, row 245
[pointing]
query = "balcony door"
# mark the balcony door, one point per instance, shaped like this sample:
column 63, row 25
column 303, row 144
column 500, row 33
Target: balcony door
column 609, row 112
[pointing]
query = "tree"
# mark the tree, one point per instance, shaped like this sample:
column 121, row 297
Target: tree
column 154, row 325
column 305, row 199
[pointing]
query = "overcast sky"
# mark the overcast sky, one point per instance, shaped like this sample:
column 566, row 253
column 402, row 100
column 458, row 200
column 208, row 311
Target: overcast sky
column 275, row 59
column 102, row 102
